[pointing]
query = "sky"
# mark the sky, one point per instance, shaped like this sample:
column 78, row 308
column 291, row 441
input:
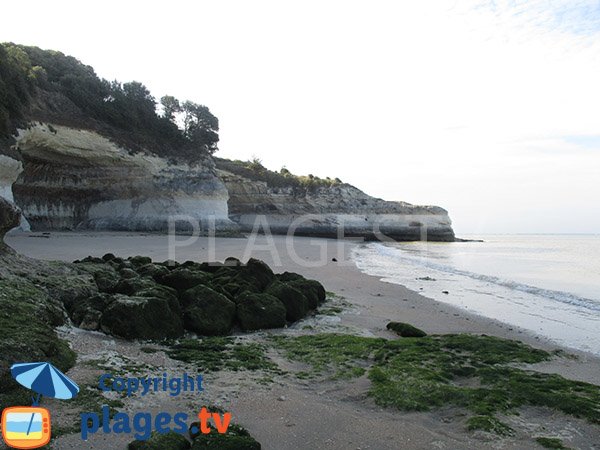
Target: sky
column 489, row 109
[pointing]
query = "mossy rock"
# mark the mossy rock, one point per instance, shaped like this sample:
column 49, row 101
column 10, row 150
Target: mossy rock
column 405, row 329
column 207, row 312
column 105, row 275
column 216, row 441
column 68, row 289
column 260, row 272
column 86, row 312
column 141, row 318
column 129, row 286
column 139, row 261
column 154, row 271
column 157, row 441
column 26, row 335
column 127, row 273
column 289, row 276
column 183, row 279
column 311, row 289
column 296, row 304
column 236, row 438
column 260, row 311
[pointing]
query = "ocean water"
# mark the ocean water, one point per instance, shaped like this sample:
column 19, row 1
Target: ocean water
column 546, row 284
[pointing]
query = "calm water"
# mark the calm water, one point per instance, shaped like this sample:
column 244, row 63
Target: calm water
column 548, row 284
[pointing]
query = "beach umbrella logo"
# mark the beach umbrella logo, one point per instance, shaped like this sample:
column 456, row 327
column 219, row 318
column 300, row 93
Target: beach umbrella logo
column 27, row 427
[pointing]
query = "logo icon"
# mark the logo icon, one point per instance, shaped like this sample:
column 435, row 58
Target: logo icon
column 29, row 426
column 26, row 427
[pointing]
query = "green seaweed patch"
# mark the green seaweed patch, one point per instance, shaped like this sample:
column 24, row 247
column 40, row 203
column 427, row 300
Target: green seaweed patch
column 477, row 373
column 337, row 354
column 489, row 424
column 221, row 353
column 548, row 442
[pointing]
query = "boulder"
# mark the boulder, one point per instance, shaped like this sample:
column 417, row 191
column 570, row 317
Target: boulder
column 129, row 286
column 139, row 261
column 10, row 217
column 260, row 272
column 183, row 279
column 260, row 311
column 312, row 290
column 405, row 329
column 236, row 438
column 155, row 271
column 296, row 304
column 141, row 318
column 207, row 312
column 158, row 441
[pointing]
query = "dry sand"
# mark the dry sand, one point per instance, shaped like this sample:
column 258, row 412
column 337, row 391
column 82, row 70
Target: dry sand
column 301, row 414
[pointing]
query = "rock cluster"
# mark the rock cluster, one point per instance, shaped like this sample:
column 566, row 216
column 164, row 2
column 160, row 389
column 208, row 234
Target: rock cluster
column 136, row 298
column 10, row 216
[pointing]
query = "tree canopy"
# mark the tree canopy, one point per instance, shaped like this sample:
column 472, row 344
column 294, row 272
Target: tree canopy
column 32, row 79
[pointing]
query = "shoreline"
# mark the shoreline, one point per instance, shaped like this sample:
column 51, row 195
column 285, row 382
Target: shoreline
column 292, row 414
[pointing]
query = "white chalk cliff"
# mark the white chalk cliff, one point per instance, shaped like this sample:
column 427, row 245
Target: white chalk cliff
column 78, row 179
column 72, row 179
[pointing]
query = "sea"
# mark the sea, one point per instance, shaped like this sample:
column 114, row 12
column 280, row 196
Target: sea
column 546, row 284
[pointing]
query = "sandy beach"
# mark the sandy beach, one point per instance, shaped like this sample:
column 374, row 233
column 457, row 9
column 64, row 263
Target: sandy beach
column 291, row 413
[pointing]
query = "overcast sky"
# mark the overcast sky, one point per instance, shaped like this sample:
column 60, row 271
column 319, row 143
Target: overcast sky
column 490, row 109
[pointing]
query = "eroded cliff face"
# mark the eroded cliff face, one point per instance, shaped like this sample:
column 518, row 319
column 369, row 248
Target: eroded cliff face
column 331, row 211
column 78, row 179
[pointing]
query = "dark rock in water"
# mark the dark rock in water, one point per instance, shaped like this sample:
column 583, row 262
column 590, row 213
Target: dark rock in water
column 427, row 278
column 260, row 311
column 158, row 441
column 334, row 259
column 141, row 318
column 183, row 279
column 405, row 329
column 445, row 292
column 10, row 217
column 296, row 304
column 207, row 312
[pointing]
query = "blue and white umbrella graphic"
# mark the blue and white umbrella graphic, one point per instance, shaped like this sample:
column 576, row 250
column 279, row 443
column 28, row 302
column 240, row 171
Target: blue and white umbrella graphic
column 44, row 379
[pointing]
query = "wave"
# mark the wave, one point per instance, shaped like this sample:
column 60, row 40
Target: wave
column 400, row 256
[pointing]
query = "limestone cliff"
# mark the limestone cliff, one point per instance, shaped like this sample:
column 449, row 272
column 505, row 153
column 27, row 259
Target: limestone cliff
column 331, row 211
column 78, row 179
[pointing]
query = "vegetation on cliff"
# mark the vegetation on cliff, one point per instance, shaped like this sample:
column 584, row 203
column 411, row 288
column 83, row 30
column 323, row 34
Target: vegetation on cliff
column 255, row 171
column 47, row 85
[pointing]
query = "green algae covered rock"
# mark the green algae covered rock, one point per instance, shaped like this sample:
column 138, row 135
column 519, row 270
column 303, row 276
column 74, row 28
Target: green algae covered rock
column 260, row 311
column 296, row 304
column 166, row 441
column 207, row 312
column 141, row 318
column 405, row 329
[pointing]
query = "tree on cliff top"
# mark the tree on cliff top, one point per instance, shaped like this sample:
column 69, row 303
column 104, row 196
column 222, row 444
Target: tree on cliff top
column 47, row 85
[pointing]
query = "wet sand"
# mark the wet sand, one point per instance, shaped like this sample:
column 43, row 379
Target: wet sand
column 292, row 413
